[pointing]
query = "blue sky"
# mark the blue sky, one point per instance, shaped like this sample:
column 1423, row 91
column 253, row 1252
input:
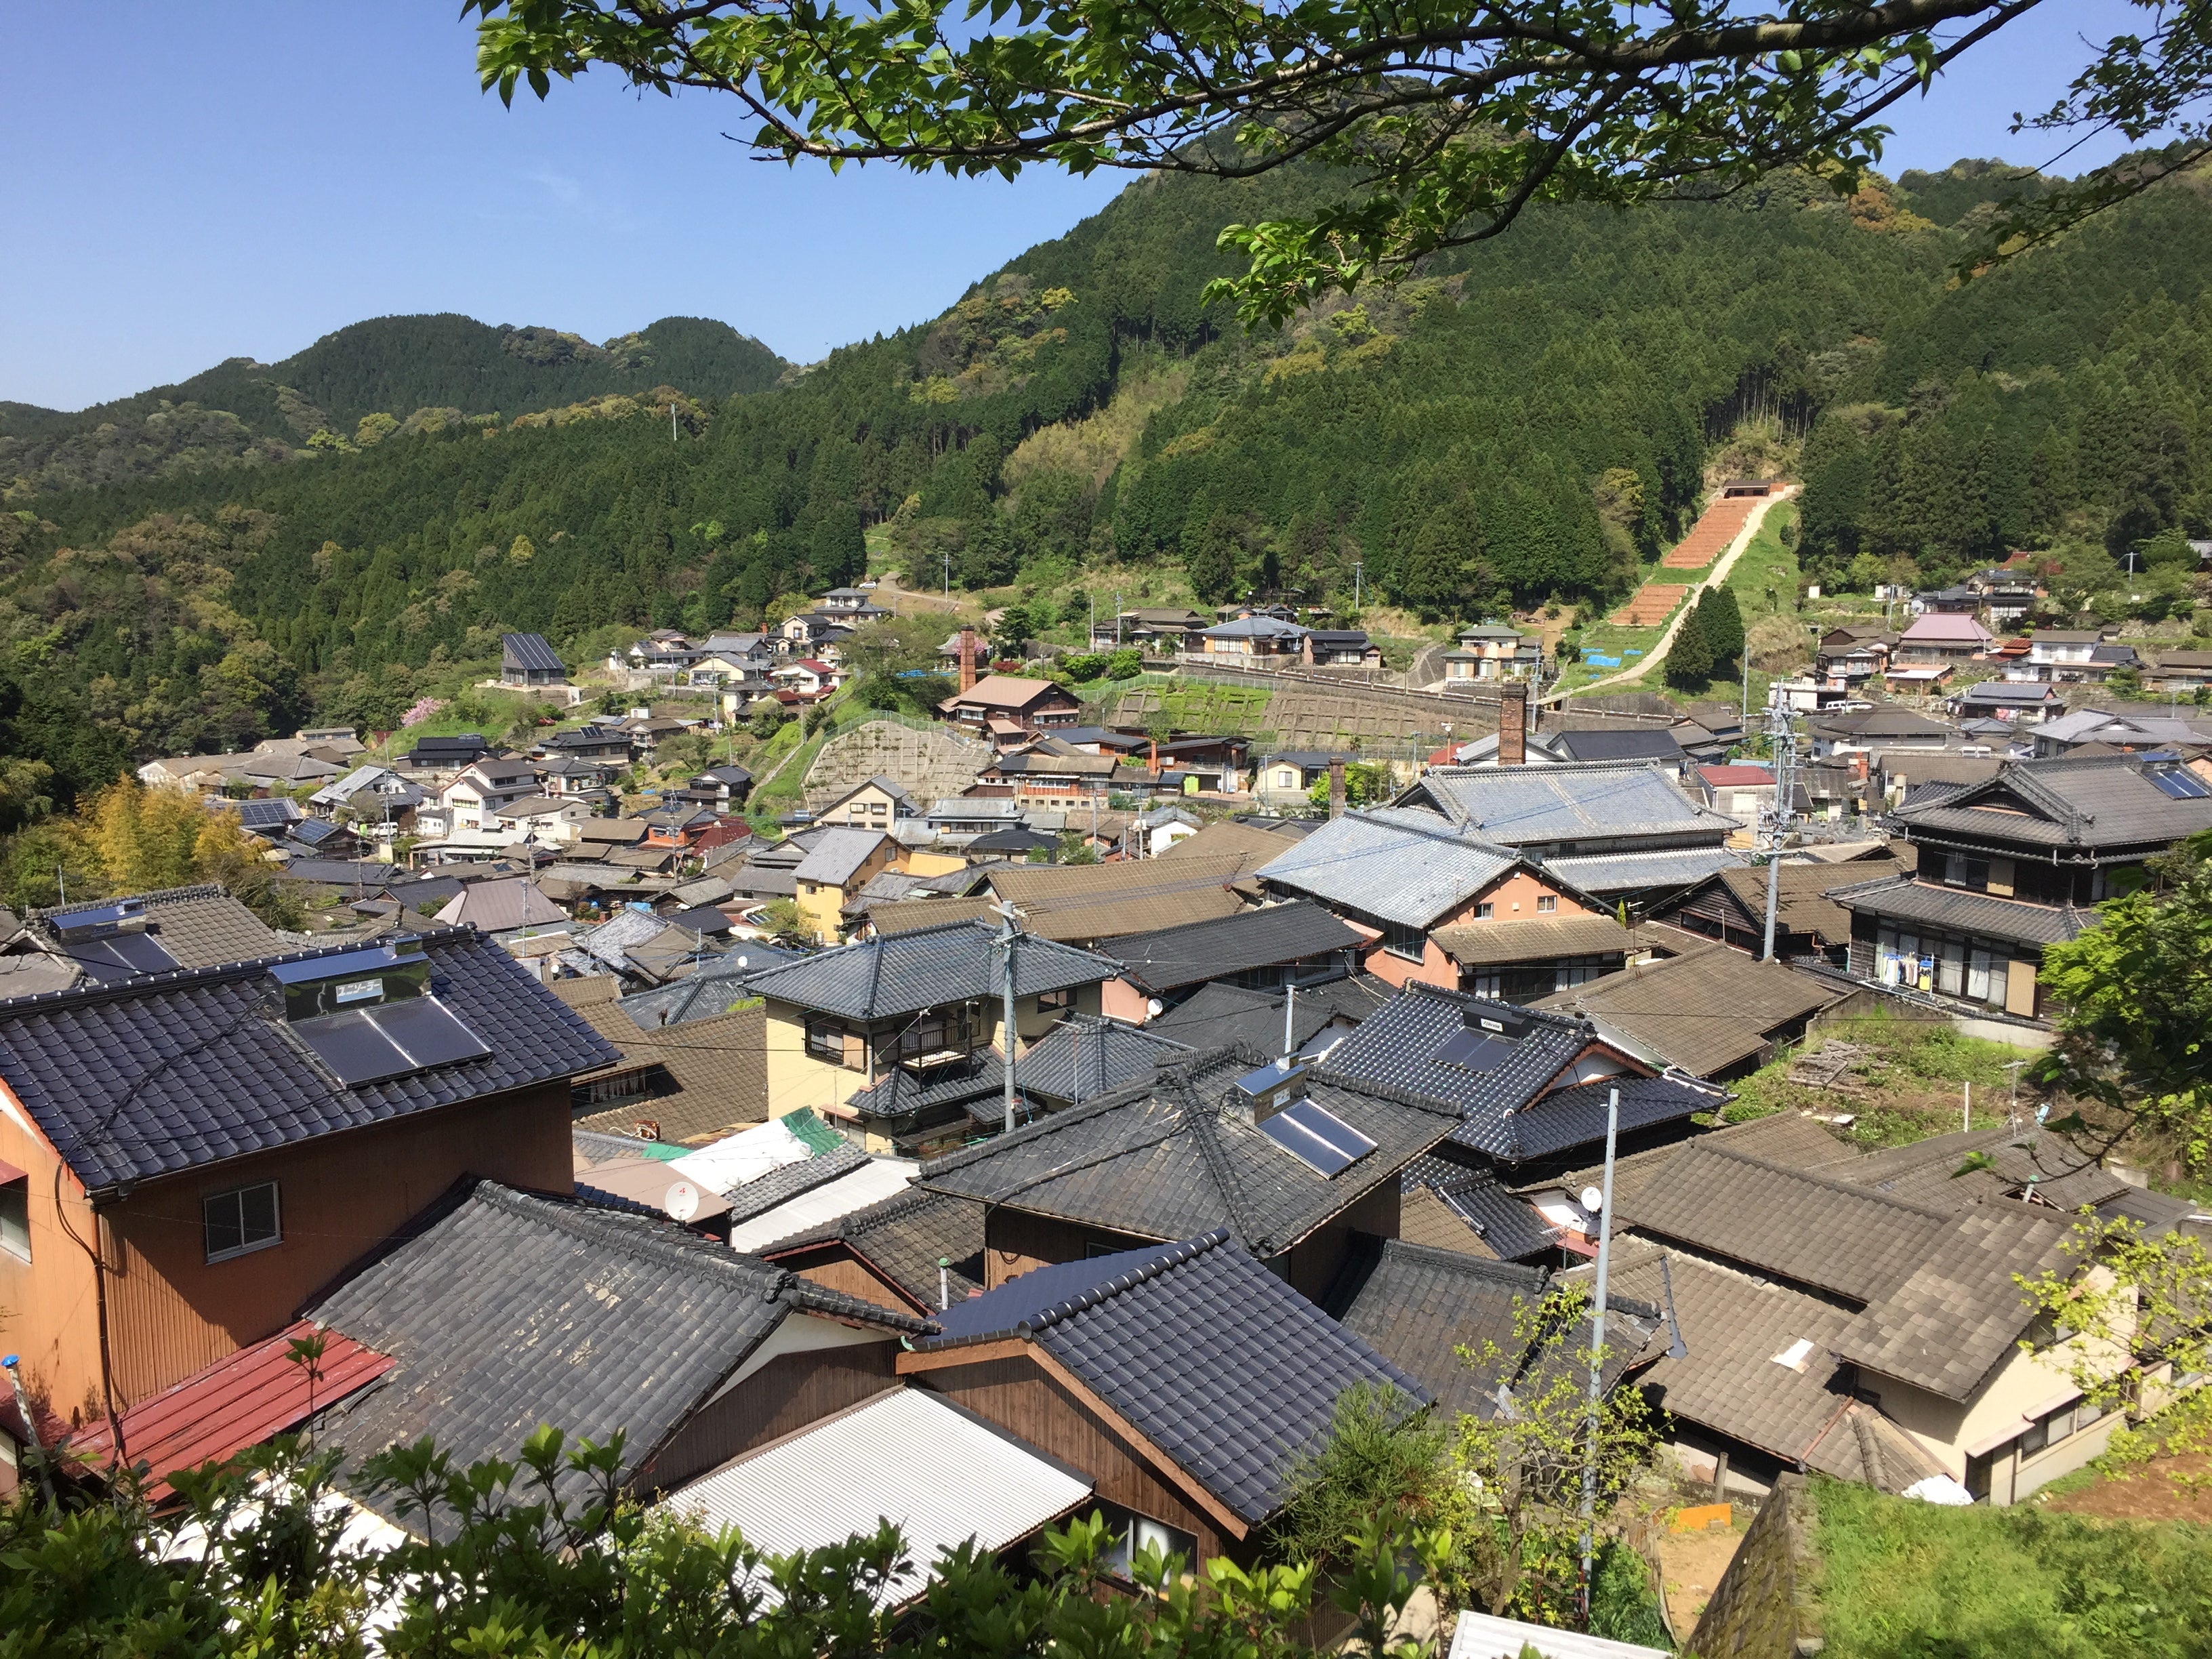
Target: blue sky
column 195, row 182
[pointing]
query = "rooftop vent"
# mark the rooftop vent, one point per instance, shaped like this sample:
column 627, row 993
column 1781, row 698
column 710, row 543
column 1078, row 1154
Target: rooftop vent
column 1267, row 1090
column 369, row 1015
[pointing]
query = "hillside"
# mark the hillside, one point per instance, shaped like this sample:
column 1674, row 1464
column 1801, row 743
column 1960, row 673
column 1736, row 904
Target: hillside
column 1530, row 418
column 242, row 412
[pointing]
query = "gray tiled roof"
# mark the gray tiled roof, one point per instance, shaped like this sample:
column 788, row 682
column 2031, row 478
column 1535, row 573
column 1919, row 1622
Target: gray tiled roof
column 708, row 989
column 1509, row 1227
column 1625, row 872
column 903, row 1237
column 1516, row 806
column 1221, row 1364
column 839, row 855
column 786, row 1181
column 509, row 1310
column 1419, row 1307
column 147, row 1077
column 1959, row 1311
column 1499, row 1108
column 201, row 927
column 901, row 1092
column 2104, row 801
column 1219, row 1016
column 1907, row 898
column 1173, row 958
column 1823, row 1233
column 922, row 968
column 1616, row 746
column 1394, row 865
column 2021, row 1162
column 1166, row 1159
column 1703, row 1011
column 1082, row 1059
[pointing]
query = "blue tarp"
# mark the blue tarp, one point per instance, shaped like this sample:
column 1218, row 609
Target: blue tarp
column 1596, row 661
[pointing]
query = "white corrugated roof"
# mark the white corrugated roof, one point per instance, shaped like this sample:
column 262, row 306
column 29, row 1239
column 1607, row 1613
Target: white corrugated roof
column 889, row 1460
column 881, row 1178
column 1481, row 1636
column 746, row 1155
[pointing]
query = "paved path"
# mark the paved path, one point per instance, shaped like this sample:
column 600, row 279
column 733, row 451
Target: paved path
column 1718, row 574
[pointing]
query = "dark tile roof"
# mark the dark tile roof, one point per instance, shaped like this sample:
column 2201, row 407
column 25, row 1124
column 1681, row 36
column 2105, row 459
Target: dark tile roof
column 1509, row 1226
column 789, row 1180
column 719, row 1066
column 1958, row 1310
column 922, row 968
column 200, row 926
column 509, row 1308
column 1220, row 1016
column 1221, row 1364
column 902, row 1093
column 1829, row 1234
column 147, row 1077
column 903, row 1238
column 1197, row 951
column 1503, row 1110
column 1419, row 1307
column 2104, row 801
column 1620, row 745
column 2022, row 1162
column 1082, row 1058
column 1168, row 1159
column 1789, row 1138
column 1907, row 898
column 529, row 651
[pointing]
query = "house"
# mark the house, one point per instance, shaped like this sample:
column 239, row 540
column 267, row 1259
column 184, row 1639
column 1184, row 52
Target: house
column 1212, row 761
column 2064, row 655
column 913, row 1252
column 1181, row 1464
column 526, row 659
column 1051, row 773
column 107, row 940
column 1619, row 832
column 589, row 742
column 691, row 1080
column 1937, row 637
column 1731, row 907
column 440, row 760
column 876, row 803
column 838, row 863
column 810, row 676
column 1847, row 657
column 1878, row 731
column 1710, row 1010
column 1313, row 1017
column 1743, row 791
column 1008, row 708
column 548, row 821
column 1490, row 651
column 589, row 781
column 2007, row 595
column 809, row 631
column 1088, row 904
column 2183, row 671
column 1191, row 1145
column 1286, row 778
column 508, row 1300
column 2024, row 701
column 665, row 653
column 1527, row 1086
column 1165, row 628
column 2008, row 866
column 958, row 817
column 850, row 602
column 1616, row 745
column 1159, row 832
column 840, row 1021
column 1270, row 946
column 1249, row 638
column 2111, row 729
column 236, row 1135
column 503, row 907
column 1903, row 776
column 1399, row 875
column 1340, row 647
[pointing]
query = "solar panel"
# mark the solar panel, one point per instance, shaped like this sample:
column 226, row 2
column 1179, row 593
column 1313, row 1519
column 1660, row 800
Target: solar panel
column 122, row 956
column 354, row 1049
column 73, row 924
column 2178, row 784
column 1317, row 1137
column 426, row 1032
column 1475, row 1051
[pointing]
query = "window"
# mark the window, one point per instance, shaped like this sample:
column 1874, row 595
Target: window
column 1129, row 1534
column 1546, row 904
column 1048, row 1001
column 825, row 1040
column 15, row 1216
column 240, row 1220
column 1411, row 943
column 1484, row 911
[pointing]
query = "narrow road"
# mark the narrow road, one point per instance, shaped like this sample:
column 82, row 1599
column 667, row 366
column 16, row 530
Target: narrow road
column 1718, row 574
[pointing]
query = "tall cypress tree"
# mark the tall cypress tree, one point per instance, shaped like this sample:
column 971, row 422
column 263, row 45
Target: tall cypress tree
column 1690, row 658
column 1722, row 620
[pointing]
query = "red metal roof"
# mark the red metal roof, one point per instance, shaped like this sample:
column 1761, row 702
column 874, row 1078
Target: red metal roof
column 236, row 1402
column 1740, row 777
column 9, row 1172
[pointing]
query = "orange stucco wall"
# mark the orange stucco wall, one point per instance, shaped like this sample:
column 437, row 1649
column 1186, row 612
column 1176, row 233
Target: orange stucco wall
column 1511, row 898
column 170, row 1311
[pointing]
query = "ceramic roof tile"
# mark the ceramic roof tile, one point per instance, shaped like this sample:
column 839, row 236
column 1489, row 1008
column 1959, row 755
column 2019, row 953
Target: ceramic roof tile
column 201, row 927
column 922, row 968
column 1232, row 1373
column 1196, row 951
column 1419, row 1307
column 904, row 1236
column 1517, row 806
column 1908, row 899
column 1703, row 1011
column 151, row 1076
column 1392, row 864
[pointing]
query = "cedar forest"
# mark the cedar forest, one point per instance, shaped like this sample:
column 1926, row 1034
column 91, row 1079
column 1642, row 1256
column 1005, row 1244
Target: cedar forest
column 326, row 539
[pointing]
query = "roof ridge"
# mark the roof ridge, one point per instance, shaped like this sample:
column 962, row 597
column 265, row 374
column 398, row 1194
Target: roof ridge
column 1832, row 1183
column 152, row 896
column 1461, row 1261
column 573, row 1218
column 1203, row 1122
column 1173, row 1256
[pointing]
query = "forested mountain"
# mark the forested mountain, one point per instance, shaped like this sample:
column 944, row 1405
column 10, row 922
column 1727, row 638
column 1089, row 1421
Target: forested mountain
column 430, row 370
column 1533, row 416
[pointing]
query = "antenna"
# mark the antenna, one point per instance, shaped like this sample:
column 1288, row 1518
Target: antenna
column 1783, row 731
column 1004, row 909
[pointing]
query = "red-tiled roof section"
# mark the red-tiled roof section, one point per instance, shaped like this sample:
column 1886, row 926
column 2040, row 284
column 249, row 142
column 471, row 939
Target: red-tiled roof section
column 236, row 1402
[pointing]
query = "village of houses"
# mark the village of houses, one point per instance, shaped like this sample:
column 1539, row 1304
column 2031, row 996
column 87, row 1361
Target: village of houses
column 881, row 1134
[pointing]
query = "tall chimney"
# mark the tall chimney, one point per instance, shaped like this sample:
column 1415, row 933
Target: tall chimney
column 1336, row 788
column 967, row 659
column 1513, row 723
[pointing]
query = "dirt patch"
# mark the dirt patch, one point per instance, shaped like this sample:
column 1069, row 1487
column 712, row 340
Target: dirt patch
column 2151, row 1495
column 1710, row 537
column 1653, row 603
column 1691, row 1564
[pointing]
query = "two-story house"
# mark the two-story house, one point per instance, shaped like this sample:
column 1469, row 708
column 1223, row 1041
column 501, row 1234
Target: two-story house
column 876, row 803
column 922, row 998
column 2012, row 865
column 1257, row 637
column 588, row 742
column 1008, row 708
column 1340, row 647
column 474, row 799
column 837, row 866
column 526, row 659
column 1939, row 637
column 1490, row 651
column 185, row 1158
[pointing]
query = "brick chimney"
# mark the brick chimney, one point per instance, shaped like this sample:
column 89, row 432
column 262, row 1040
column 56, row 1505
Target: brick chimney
column 1513, row 723
column 967, row 659
column 1336, row 789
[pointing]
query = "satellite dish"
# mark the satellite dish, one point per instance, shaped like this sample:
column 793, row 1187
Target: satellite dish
column 682, row 1201
column 1155, row 1007
column 744, row 962
column 1592, row 1199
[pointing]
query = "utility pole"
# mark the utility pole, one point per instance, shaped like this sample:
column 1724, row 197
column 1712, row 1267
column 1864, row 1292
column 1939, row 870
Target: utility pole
column 1359, row 568
column 947, row 557
column 1006, row 912
column 1597, row 1346
column 1117, row 619
column 1091, row 638
column 672, row 422
column 1289, row 1012
column 1782, row 734
column 1743, row 720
